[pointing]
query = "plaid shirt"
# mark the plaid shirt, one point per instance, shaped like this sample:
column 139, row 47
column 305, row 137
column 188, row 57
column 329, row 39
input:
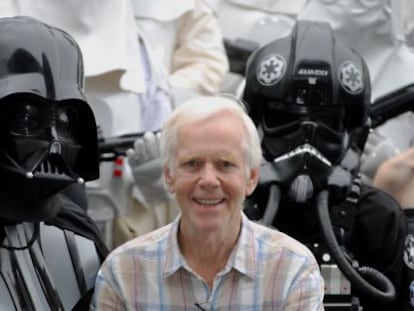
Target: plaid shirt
column 267, row 270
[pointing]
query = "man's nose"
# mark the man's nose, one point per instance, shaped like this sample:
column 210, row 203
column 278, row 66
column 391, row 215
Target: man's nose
column 209, row 176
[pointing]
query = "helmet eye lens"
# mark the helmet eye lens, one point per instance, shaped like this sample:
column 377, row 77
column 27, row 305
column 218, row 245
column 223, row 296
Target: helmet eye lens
column 275, row 118
column 281, row 115
column 26, row 119
column 66, row 118
column 34, row 118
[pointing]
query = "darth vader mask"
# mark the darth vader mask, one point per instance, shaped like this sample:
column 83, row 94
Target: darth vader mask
column 47, row 129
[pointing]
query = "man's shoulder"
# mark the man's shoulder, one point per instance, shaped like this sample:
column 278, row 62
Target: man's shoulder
column 145, row 243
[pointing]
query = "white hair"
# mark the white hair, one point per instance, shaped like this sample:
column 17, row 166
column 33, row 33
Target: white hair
column 201, row 108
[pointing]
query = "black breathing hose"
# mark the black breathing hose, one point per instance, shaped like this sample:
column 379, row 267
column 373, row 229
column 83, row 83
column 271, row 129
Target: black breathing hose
column 365, row 280
column 272, row 205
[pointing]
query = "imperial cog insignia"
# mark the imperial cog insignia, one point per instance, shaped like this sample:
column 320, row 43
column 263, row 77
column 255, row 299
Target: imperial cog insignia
column 350, row 78
column 409, row 251
column 271, row 69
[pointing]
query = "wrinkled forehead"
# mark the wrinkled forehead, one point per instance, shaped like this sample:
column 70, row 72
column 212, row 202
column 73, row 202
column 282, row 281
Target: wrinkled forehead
column 221, row 124
column 223, row 128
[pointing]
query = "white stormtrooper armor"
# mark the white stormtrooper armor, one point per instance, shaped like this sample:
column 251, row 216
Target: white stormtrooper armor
column 185, row 37
column 259, row 21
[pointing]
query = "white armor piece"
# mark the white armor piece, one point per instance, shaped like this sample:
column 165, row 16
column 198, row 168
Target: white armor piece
column 408, row 16
column 52, row 272
column 260, row 21
column 185, row 37
column 375, row 29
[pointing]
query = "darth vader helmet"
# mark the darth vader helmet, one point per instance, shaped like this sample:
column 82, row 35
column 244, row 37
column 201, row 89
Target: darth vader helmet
column 47, row 129
column 309, row 95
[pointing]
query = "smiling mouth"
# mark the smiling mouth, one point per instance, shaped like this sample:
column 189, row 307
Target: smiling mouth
column 209, row 201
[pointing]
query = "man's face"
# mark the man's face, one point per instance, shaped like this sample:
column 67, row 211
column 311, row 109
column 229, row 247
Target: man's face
column 208, row 174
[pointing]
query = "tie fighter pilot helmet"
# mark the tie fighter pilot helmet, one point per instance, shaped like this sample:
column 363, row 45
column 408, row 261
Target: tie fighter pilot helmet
column 308, row 94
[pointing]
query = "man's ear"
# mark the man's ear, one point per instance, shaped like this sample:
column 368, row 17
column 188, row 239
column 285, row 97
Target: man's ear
column 252, row 181
column 168, row 178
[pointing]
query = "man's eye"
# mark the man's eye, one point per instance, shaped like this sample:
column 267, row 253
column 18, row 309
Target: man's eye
column 191, row 163
column 226, row 165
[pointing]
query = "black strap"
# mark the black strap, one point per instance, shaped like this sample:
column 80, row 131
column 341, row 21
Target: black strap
column 84, row 303
column 74, row 218
column 343, row 213
column 409, row 214
column 76, row 262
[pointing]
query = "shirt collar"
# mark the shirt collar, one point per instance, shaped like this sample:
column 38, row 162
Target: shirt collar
column 173, row 257
column 244, row 256
column 242, row 259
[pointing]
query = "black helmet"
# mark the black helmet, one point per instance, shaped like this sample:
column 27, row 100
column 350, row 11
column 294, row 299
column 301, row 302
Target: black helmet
column 309, row 94
column 47, row 129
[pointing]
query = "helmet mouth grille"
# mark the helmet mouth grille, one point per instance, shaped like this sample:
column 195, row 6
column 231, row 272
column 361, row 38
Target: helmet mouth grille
column 53, row 167
column 304, row 149
column 50, row 167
